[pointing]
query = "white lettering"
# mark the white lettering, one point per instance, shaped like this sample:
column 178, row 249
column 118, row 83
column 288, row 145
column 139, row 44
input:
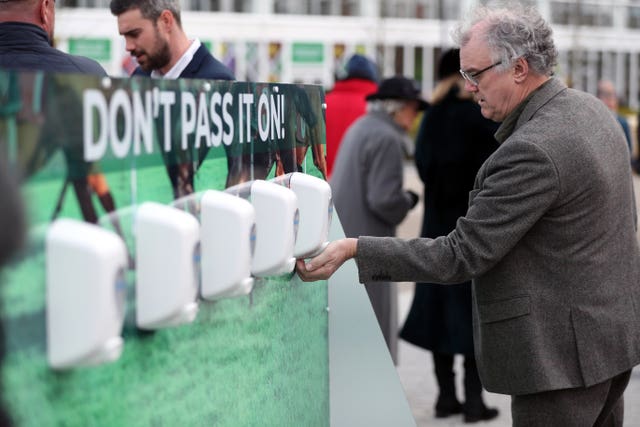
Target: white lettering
column 188, row 117
column 142, row 122
column 202, row 123
column 263, row 117
column 227, row 104
column 167, row 99
column 216, row 134
column 93, row 100
column 247, row 99
column 120, row 101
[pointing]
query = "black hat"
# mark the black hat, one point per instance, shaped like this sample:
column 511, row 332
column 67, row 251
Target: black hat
column 361, row 67
column 399, row 88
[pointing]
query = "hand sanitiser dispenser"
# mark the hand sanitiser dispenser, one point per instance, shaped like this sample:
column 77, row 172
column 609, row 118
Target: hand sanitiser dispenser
column 85, row 267
column 276, row 226
column 227, row 238
column 167, row 251
column 316, row 209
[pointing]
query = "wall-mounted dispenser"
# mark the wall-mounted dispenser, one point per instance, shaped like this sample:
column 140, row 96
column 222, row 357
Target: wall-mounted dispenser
column 85, row 266
column 227, row 237
column 167, row 270
column 276, row 226
column 316, row 209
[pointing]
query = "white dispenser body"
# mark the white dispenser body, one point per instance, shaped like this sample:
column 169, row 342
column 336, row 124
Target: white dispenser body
column 276, row 226
column 227, row 235
column 316, row 209
column 85, row 267
column 167, row 274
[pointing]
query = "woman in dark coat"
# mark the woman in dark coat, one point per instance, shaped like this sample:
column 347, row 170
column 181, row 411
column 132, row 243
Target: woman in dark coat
column 452, row 143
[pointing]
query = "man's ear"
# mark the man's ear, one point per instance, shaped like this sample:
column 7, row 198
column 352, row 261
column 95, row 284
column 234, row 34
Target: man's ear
column 520, row 70
column 46, row 11
column 43, row 11
column 166, row 20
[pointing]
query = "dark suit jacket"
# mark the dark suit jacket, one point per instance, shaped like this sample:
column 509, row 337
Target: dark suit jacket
column 550, row 240
column 26, row 47
column 202, row 66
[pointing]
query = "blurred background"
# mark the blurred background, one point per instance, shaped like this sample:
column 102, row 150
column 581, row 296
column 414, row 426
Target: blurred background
column 309, row 41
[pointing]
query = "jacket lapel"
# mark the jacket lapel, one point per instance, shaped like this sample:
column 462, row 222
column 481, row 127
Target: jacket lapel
column 194, row 65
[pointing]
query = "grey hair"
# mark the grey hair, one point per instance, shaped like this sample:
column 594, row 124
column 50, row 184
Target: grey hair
column 512, row 31
column 389, row 106
column 149, row 9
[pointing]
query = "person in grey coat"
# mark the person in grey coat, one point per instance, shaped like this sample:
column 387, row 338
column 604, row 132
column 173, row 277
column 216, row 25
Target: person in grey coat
column 367, row 180
column 549, row 237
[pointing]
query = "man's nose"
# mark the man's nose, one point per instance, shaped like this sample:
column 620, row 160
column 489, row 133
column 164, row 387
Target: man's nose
column 130, row 46
column 470, row 87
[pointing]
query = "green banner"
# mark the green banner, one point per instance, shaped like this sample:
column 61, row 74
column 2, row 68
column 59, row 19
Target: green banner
column 98, row 49
column 260, row 359
column 308, row 53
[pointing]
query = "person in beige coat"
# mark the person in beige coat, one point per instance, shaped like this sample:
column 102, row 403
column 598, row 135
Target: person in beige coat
column 549, row 237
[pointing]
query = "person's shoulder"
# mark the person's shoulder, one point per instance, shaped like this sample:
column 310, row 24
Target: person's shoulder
column 208, row 67
column 87, row 65
column 34, row 52
column 378, row 126
column 62, row 62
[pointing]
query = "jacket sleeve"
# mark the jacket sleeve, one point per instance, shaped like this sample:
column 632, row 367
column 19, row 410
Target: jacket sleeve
column 517, row 186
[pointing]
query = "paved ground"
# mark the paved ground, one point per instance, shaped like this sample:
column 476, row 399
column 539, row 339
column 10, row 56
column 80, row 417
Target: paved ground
column 415, row 369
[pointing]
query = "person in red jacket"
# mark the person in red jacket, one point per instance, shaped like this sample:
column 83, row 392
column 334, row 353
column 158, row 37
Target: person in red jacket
column 346, row 102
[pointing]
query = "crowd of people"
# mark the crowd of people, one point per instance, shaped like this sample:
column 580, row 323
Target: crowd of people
column 527, row 264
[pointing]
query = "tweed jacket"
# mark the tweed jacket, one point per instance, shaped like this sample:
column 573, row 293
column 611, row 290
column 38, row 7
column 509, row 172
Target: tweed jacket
column 550, row 241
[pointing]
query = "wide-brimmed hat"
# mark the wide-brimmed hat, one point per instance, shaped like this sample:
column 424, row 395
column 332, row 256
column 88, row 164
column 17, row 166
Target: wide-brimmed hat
column 401, row 88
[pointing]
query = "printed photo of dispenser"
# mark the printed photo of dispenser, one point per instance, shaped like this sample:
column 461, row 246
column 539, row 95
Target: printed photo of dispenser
column 227, row 236
column 86, row 291
column 167, row 271
column 316, row 209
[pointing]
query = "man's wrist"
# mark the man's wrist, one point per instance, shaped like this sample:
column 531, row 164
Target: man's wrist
column 352, row 247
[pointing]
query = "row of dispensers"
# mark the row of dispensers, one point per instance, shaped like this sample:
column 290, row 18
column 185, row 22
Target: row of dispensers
column 255, row 229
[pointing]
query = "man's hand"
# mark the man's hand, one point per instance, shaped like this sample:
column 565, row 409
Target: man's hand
column 324, row 265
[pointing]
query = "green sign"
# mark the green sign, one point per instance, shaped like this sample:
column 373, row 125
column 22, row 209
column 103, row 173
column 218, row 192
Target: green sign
column 308, row 53
column 98, row 49
column 94, row 153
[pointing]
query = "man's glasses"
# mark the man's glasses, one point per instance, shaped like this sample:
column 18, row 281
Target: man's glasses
column 471, row 77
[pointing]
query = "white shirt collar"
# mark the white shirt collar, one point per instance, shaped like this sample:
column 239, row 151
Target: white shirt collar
column 182, row 63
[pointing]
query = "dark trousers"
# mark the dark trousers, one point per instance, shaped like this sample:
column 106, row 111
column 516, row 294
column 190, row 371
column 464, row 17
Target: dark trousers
column 443, row 366
column 600, row 405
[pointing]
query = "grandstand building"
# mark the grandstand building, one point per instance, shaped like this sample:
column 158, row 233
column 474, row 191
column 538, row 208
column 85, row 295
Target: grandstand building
column 308, row 40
